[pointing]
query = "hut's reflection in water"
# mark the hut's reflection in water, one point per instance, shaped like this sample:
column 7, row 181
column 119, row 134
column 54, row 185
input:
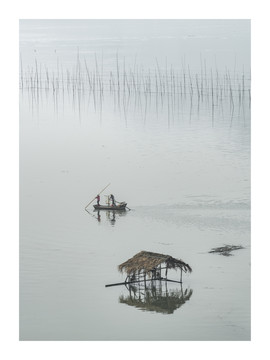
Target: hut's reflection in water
column 156, row 297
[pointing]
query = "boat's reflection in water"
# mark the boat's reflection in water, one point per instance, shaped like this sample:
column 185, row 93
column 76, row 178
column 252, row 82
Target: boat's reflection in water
column 108, row 215
column 156, row 297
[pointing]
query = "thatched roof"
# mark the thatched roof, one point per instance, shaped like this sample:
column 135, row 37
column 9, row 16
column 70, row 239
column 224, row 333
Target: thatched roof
column 148, row 261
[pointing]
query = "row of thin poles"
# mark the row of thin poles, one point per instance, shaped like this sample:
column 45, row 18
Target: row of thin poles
column 208, row 84
column 138, row 105
column 134, row 89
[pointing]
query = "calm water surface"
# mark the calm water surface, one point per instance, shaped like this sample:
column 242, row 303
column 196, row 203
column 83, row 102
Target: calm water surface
column 181, row 162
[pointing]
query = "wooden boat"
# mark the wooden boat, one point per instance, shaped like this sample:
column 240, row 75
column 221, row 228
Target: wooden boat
column 121, row 206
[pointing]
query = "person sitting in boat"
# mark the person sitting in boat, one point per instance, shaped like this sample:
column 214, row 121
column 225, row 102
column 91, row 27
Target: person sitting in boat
column 112, row 199
column 98, row 199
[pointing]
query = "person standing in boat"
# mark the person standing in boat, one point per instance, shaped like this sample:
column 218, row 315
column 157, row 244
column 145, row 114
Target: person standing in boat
column 112, row 199
column 98, row 199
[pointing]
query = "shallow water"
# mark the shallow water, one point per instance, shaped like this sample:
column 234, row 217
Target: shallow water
column 181, row 162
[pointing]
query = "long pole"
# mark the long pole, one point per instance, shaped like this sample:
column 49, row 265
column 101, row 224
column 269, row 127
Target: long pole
column 126, row 282
column 144, row 280
column 98, row 194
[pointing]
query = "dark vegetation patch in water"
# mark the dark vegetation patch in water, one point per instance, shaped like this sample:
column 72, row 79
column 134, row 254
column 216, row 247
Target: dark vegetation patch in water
column 226, row 250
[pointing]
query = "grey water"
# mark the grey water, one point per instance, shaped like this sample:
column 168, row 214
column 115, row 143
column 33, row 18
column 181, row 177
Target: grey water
column 160, row 109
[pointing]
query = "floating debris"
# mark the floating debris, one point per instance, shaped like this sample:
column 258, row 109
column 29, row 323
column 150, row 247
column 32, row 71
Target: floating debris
column 226, row 250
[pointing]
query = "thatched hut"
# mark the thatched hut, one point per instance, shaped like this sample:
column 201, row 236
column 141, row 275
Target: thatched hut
column 151, row 264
